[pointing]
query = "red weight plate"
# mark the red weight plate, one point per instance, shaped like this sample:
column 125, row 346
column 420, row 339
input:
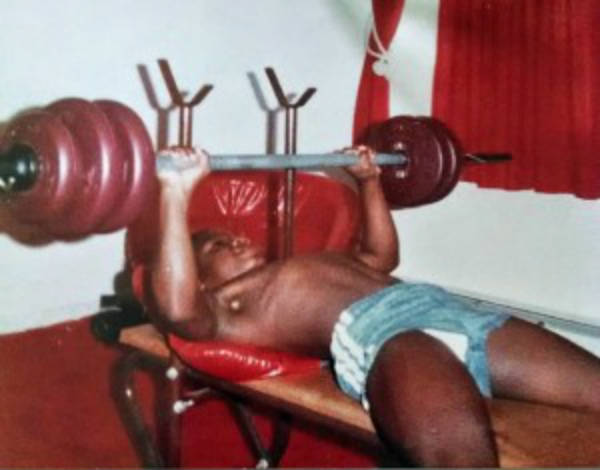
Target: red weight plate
column 451, row 159
column 138, row 161
column 57, row 183
column 454, row 165
column 446, row 158
column 96, row 146
column 414, row 183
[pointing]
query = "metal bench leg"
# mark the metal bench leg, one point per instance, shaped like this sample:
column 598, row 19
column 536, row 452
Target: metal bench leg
column 125, row 396
column 146, row 443
column 267, row 457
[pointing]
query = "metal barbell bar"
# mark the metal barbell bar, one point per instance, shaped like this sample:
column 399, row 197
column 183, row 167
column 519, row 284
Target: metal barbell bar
column 232, row 162
column 19, row 166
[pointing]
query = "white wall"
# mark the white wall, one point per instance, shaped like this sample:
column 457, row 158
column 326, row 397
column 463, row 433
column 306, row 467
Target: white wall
column 526, row 249
column 533, row 251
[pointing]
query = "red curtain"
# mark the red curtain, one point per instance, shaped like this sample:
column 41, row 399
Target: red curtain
column 372, row 101
column 521, row 76
column 516, row 76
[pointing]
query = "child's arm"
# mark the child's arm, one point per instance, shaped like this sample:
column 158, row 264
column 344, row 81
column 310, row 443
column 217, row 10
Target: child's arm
column 179, row 304
column 379, row 247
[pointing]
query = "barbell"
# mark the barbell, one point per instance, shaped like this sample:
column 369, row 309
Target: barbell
column 77, row 167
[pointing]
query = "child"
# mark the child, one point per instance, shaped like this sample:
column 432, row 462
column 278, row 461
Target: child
column 385, row 337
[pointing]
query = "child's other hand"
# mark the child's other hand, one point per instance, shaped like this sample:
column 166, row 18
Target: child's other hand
column 365, row 169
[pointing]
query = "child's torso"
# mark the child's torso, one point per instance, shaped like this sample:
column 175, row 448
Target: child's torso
column 294, row 304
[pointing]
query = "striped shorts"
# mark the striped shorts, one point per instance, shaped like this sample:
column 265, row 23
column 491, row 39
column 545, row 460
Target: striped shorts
column 365, row 326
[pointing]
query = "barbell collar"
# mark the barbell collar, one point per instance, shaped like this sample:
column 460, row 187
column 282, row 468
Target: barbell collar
column 232, row 162
column 19, row 169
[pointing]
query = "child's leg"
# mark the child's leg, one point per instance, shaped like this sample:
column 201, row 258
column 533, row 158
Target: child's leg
column 426, row 407
column 533, row 364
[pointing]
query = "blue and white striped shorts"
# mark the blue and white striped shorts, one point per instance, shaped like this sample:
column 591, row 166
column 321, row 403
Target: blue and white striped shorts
column 365, row 326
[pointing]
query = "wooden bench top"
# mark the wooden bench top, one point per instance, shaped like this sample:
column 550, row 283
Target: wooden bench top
column 526, row 434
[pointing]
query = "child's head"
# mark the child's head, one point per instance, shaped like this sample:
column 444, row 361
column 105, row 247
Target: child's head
column 221, row 256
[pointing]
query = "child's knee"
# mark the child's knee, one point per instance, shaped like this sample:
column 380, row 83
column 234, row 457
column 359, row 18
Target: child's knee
column 426, row 406
column 458, row 438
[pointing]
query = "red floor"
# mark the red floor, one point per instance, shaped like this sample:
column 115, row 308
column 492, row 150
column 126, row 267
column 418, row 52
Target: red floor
column 57, row 411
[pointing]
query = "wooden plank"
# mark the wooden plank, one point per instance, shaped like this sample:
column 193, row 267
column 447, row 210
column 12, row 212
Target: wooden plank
column 316, row 391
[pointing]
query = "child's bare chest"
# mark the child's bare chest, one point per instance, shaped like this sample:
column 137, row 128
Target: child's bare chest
column 293, row 305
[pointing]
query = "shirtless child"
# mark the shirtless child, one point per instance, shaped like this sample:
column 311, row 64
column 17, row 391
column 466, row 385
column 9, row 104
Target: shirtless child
column 427, row 405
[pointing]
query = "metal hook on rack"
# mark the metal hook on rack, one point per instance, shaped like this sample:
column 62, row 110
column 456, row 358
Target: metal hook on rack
column 162, row 112
column 291, row 131
column 291, row 109
column 185, row 108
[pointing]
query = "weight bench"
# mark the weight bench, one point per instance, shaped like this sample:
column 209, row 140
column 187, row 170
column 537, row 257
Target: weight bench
column 527, row 435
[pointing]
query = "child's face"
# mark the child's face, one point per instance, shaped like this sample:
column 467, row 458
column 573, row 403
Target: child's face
column 222, row 257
